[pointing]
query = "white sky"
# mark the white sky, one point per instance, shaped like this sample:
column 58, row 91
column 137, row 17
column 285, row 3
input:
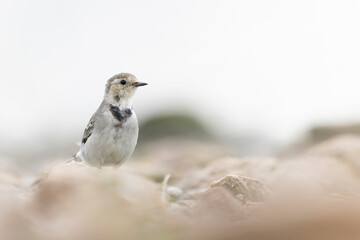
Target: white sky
column 269, row 67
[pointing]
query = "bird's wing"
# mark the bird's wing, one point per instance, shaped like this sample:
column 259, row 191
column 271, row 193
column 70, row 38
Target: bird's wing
column 88, row 130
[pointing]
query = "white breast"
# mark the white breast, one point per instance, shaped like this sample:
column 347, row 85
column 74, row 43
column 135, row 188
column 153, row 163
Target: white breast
column 111, row 143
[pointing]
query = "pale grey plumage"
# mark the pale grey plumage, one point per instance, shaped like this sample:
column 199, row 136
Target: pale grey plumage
column 111, row 134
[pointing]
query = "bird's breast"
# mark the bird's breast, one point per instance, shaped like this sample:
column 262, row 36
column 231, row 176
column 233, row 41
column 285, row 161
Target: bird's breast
column 113, row 141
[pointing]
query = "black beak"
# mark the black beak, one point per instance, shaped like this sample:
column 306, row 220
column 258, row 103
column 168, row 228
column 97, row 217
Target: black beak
column 139, row 84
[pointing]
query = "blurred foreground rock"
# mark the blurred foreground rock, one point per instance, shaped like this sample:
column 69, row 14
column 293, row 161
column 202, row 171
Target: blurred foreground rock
column 191, row 191
column 74, row 201
column 345, row 148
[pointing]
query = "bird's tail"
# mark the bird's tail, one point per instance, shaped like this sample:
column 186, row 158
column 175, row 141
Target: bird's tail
column 76, row 158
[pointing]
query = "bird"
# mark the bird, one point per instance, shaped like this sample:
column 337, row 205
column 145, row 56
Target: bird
column 112, row 132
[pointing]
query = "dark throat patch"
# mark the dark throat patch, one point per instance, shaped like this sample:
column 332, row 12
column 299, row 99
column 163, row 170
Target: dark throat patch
column 120, row 115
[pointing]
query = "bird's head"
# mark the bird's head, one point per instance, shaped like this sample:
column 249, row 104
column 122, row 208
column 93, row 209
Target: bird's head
column 122, row 86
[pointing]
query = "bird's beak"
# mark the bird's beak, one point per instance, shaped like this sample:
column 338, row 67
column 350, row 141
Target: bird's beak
column 139, row 84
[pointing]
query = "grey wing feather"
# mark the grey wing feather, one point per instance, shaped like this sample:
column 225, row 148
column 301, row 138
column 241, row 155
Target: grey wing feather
column 88, row 130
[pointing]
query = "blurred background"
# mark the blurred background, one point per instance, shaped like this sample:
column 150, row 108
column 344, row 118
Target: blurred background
column 239, row 125
column 256, row 76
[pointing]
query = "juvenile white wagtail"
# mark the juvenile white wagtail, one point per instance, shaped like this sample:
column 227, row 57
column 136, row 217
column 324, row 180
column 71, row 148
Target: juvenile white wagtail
column 111, row 135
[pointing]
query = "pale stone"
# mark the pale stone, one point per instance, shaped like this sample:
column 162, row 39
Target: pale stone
column 243, row 188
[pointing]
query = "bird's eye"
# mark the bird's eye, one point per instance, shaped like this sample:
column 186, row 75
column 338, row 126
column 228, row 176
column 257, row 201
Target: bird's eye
column 123, row 82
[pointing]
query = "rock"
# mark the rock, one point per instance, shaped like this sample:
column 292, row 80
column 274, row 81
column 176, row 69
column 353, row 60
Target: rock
column 200, row 178
column 174, row 193
column 182, row 208
column 339, row 161
column 64, row 181
column 345, row 148
column 243, row 188
column 107, row 202
column 194, row 194
column 218, row 204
